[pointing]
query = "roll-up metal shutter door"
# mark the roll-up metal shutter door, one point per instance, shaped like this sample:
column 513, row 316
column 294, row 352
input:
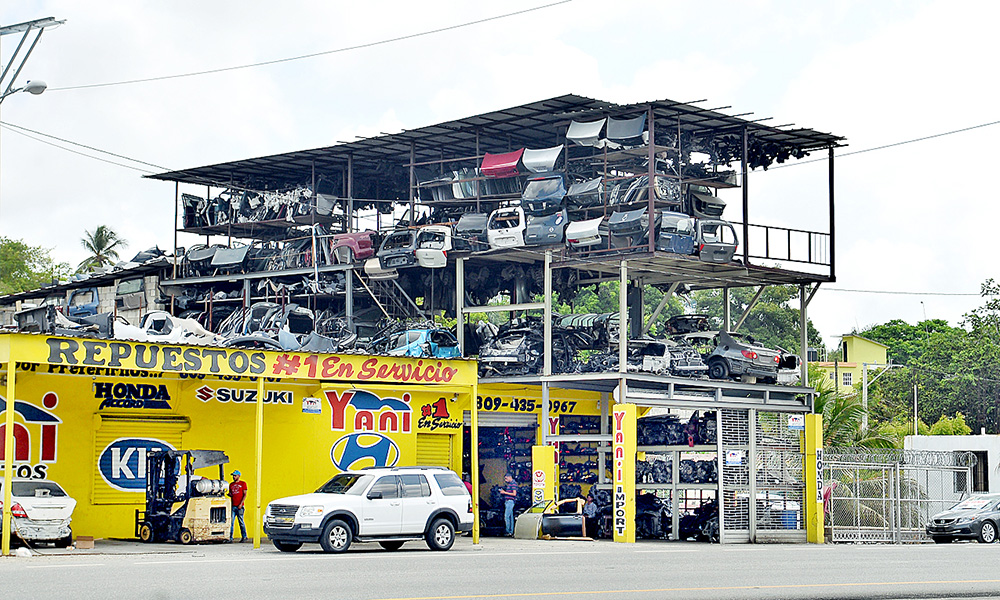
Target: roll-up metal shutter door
column 498, row 419
column 125, row 463
column 434, row 450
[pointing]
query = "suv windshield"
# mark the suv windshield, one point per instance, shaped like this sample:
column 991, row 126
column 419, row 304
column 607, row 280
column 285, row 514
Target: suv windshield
column 346, row 483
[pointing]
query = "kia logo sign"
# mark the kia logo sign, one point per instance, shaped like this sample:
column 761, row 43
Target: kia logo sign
column 360, row 450
column 123, row 462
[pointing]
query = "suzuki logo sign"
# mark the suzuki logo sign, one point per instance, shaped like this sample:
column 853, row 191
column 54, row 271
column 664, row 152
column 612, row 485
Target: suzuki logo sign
column 122, row 464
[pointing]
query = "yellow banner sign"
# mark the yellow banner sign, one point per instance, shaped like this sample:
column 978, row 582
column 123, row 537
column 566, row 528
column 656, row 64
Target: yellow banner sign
column 112, row 357
column 623, row 449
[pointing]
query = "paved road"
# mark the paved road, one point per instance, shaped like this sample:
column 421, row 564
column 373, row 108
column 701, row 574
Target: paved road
column 503, row 568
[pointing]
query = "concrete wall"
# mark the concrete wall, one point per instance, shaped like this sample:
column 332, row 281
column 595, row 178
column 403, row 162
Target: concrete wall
column 967, row 443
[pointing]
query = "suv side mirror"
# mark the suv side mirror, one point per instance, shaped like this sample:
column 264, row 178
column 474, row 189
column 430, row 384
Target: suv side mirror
column 374, row 495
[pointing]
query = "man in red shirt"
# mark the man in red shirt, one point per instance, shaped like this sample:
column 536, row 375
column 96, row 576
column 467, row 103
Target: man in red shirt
column 237, row 493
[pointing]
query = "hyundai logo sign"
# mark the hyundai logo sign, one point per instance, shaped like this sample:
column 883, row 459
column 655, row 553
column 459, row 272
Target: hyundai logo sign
column 360, row 450
column 123, row 462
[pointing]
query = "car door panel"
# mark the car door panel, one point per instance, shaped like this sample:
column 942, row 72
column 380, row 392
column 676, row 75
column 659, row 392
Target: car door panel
column 382, row 516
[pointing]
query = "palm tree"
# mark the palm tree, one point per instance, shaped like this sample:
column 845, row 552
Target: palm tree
column 103, row 245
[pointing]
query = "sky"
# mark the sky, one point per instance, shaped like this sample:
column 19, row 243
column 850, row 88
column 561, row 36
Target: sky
column 876, row 73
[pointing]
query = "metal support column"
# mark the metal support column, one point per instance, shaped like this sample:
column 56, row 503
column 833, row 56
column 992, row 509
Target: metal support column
column 623, row 324
column 547, row 339
column 833, row 224
column 460, row 303
column 726, row 317
column 651, row 174
column 349, row 298
column 803, row 337
column 350, row 192
column 8, row 447
column 605, row 402
column 745, row 184
column 259, row 456
column 752, row 466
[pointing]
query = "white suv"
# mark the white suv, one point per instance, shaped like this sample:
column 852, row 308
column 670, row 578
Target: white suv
column 388, row 505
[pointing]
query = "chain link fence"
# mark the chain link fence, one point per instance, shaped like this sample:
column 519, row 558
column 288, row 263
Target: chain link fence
column 887, row 496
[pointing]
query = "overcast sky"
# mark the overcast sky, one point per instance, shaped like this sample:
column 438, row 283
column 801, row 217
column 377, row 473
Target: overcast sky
column 913, row 218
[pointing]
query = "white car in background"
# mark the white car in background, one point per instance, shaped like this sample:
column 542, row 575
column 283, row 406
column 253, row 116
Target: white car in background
column 41, row 511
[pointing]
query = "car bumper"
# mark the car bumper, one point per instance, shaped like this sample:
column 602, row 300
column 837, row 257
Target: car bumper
column 968, row 531
column 464, row 527
column 295, row 533
column 41, row 531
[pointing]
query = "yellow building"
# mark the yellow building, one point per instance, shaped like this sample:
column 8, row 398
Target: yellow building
column 856, row 353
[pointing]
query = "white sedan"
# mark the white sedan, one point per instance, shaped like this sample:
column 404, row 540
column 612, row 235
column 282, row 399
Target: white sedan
column 41, row 511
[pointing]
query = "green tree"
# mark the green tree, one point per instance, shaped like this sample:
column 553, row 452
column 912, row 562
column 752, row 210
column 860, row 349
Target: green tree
column 103, row 245
column 772, row 322
column 907, row 342
column 24, row 267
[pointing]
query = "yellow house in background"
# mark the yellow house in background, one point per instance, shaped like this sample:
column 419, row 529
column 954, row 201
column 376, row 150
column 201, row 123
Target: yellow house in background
column 856, row 351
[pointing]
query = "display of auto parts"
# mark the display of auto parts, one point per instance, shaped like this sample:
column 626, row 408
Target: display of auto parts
column 654, row 471
column 569, row 490
column 698, row 471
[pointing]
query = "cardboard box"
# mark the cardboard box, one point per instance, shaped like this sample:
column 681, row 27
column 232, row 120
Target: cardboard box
column 84, row 542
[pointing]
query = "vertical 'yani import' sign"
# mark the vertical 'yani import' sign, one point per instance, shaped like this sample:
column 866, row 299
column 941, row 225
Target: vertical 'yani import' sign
column 623, row 448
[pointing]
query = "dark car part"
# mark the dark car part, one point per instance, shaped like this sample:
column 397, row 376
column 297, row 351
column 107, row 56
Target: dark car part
column 470, row 232
column 630, row 229
column 585, row 194
column 546, row 229
column 543, row 193
column 677, row 233
column 398, row 250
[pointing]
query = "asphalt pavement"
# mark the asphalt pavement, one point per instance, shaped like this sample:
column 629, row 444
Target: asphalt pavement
column 506, row 568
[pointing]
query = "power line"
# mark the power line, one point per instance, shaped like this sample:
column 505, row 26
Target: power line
column 315, row 54
column 110, row 162
column 883, row 147
column 899, row 293
column 23, row 129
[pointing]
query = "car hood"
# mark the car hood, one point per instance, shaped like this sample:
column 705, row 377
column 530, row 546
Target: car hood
column 313, row 498
column 50, row 508
column 958, row 514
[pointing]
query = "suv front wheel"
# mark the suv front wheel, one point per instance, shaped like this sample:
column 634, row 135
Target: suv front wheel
column 336, row 536
column 441, row 535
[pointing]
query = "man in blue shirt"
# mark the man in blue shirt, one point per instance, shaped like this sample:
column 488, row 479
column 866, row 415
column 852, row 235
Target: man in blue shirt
column 509, row 493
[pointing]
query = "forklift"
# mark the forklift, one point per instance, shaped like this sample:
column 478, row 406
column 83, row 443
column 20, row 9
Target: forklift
column 180, row 505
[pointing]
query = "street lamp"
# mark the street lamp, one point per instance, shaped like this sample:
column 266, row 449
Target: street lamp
column 34, row 87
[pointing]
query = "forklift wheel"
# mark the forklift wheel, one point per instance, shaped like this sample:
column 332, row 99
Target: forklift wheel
column 146, row 532
column 185, row 536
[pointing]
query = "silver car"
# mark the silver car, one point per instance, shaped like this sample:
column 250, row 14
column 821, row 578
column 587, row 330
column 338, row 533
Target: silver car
column 734, row 355
column 974, row 518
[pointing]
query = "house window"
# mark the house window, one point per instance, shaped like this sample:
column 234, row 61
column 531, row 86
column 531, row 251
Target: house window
column 833, row 376
column 847, row 379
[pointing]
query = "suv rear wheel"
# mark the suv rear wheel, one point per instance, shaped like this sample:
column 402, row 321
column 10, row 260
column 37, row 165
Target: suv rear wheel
column 441, row 535
column 336, row 536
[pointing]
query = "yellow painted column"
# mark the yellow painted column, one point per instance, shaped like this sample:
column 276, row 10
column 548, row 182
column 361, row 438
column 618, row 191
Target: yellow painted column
column 814, row 479
column 474, row 454
column 259, row 455
column 8, row 446
column 543, row 473
column 623, row 468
